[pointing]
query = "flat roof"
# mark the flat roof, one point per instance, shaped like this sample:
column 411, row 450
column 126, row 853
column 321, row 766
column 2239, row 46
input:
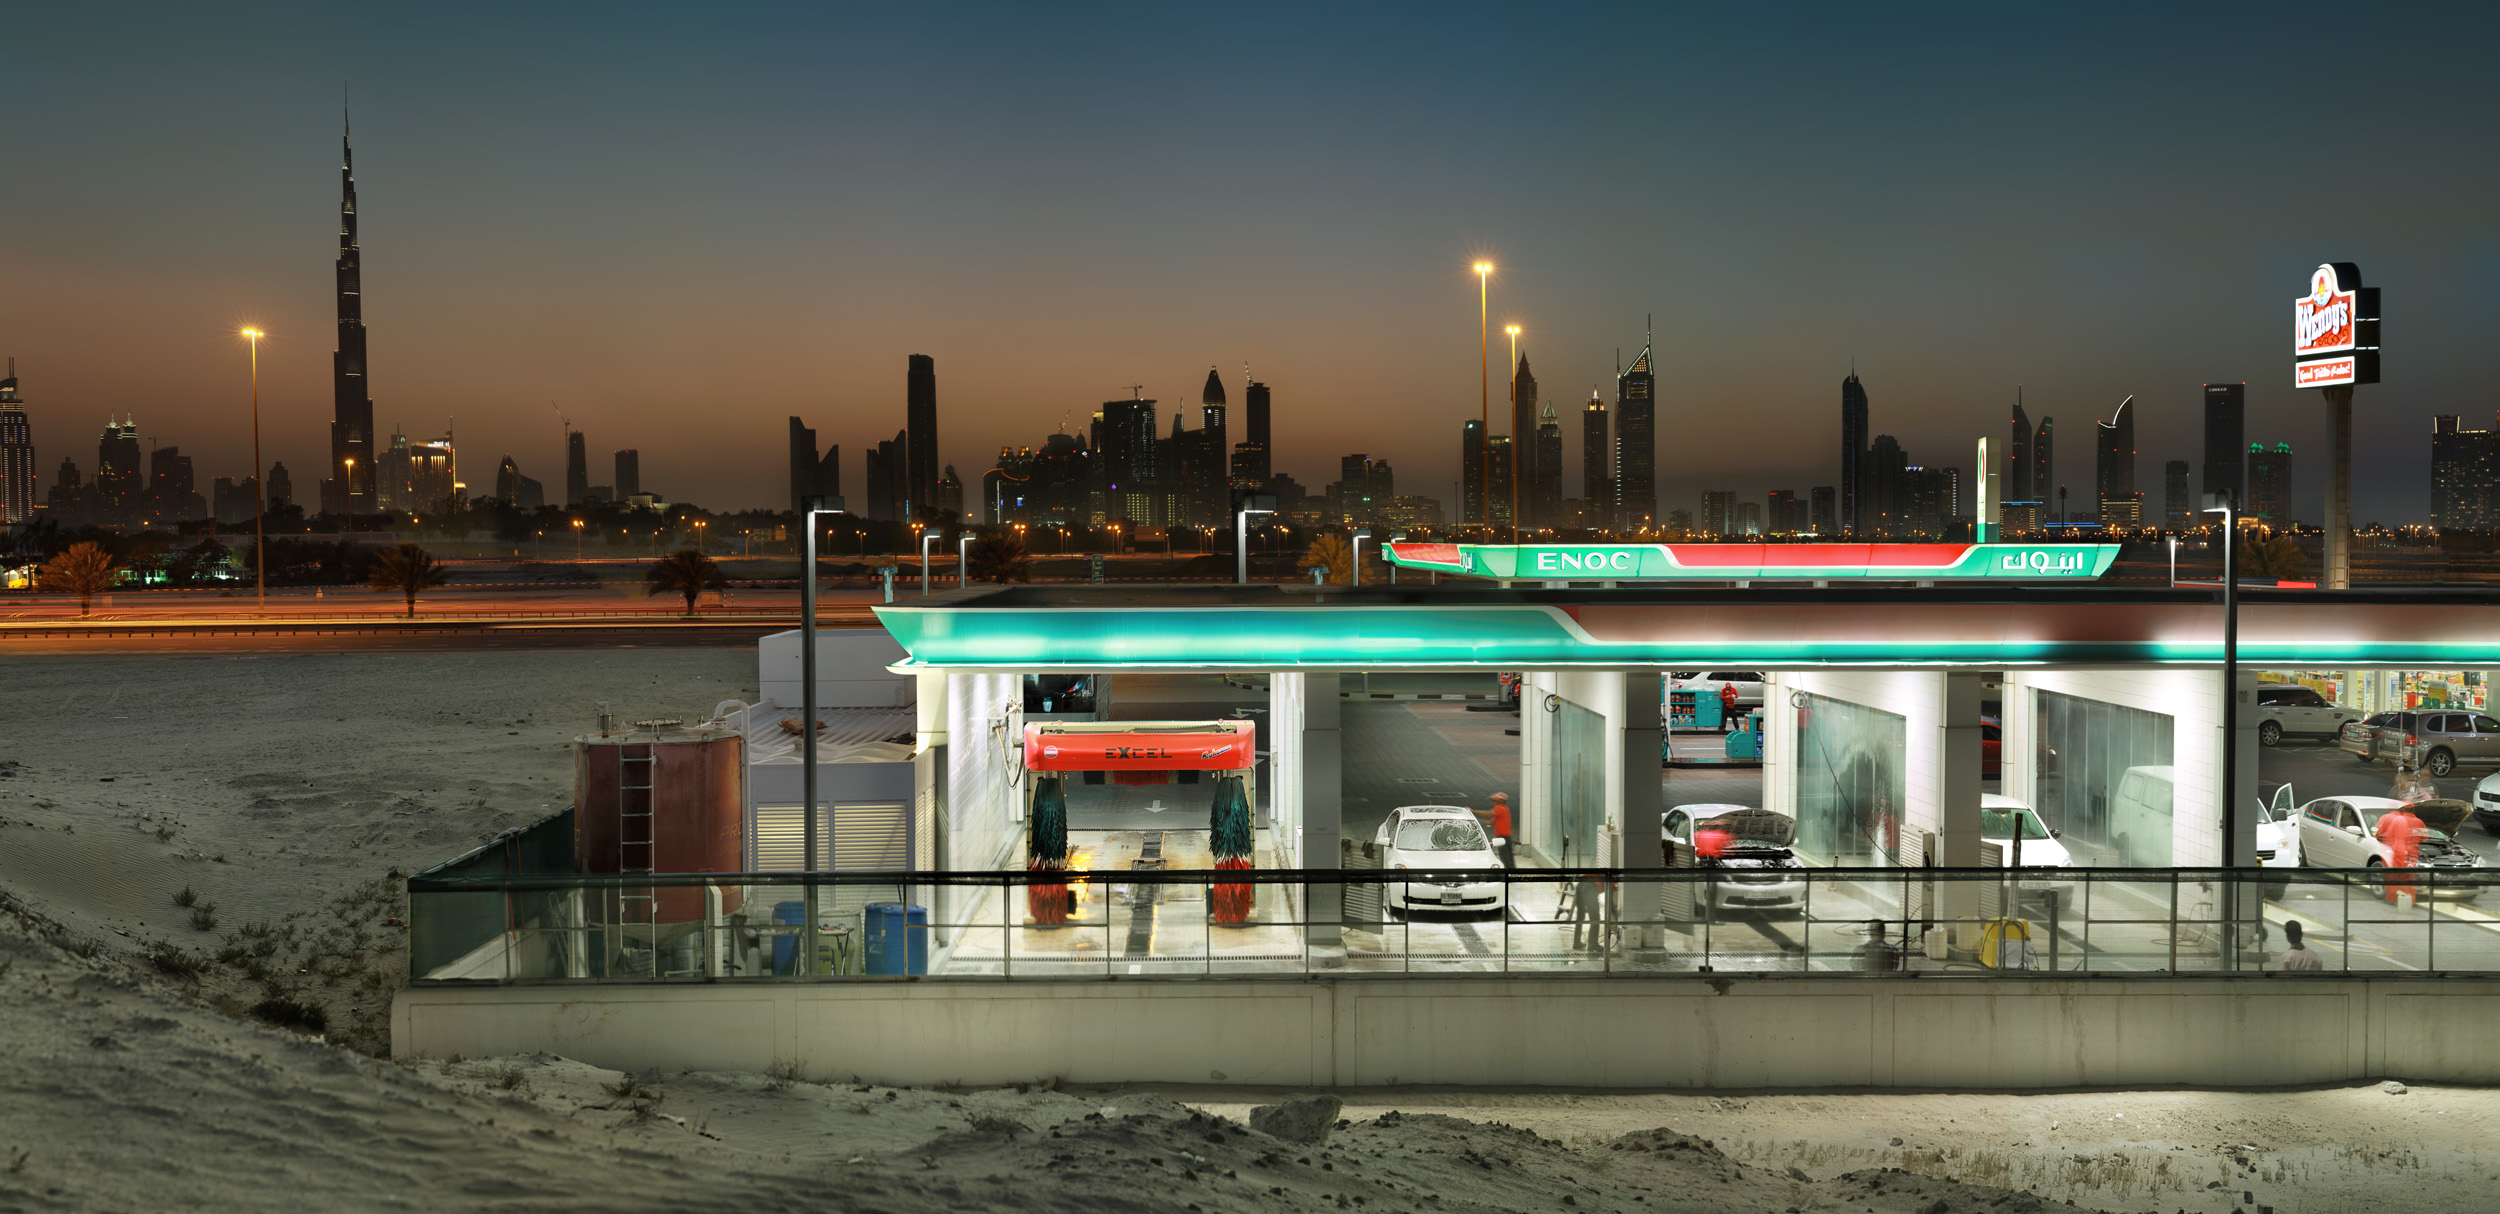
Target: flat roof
column 1473, row 626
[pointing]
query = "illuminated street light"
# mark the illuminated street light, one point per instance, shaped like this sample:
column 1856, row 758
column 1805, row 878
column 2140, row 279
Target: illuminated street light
column 260, row 545
column 809, row 508
column 963, row 561
column 925, row 541
column 1484, row 401
column 1241, row 545
column 1517, row 440
column 577, row 541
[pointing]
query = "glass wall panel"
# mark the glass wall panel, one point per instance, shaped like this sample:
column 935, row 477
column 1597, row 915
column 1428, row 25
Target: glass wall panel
column 1849, row 783
column 2104, row 780
column 1576, row 791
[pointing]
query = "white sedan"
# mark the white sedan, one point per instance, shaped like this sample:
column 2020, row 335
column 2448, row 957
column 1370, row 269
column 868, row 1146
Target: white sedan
column 1445, row 837
column 2342, row 832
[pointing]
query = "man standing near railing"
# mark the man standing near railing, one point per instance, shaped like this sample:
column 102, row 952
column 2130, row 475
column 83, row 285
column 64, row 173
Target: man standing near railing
column 2297, row 958
column 1588, row 903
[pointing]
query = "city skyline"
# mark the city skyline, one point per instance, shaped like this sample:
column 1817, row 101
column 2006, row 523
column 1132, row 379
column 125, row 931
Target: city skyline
column 646, row 296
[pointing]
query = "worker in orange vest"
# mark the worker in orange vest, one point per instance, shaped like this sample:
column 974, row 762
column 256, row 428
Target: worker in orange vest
column 1727, row 706
column 1501, row 830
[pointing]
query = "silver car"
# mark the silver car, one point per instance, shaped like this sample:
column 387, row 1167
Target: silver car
column 1438, row 837
column 2379, row 736
column 2342, row 832
column 2441, row 742
column 1749, row 850
column 2290, row 710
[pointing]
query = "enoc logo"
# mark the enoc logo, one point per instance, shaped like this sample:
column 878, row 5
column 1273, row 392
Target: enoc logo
column 2041, row 561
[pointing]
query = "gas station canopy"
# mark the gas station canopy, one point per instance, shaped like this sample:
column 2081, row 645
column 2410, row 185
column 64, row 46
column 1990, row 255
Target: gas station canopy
column 1750, row 562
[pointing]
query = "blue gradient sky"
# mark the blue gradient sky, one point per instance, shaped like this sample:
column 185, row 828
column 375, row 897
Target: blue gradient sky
column 684, row 224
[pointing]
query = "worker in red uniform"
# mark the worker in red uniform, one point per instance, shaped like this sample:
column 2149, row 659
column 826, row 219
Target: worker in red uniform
column 2402, row 833
column 1727, row 706
column 1501, row 829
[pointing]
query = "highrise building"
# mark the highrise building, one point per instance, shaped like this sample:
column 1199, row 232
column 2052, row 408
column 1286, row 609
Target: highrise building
column 2017, row 486
column 2044, row 461
column 390, row 473
column 1748, row 518
column 119, row 481
column 1597, row 482
column 69, row 498
column 1129, row 454
column 628, row 473
column 1523, row 420
column 811, row 475
column 281, row 488
column 2175, row 510
column 1857, row 515
column 919, row 485
column 2113, row 474
column 1636, row 444
column 1472, row 466
column 2270, row 484
column 576, row 467
column 516, row 489
column 1211, row 499
column 18, row 481
column 348, row 488
column 1253, row 460
column 1786, row 513
column 172, row 496
column 1718, row 512
column 2226, row 440
column 2465, row 476
column 434, row 477
column 1499, row 497
column 1545, row 501
column 889, row 478
column 1883, row 494
column 950, row 494
column 1823, row 510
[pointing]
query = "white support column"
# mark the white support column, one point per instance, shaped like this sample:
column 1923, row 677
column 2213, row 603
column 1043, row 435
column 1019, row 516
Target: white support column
column 1958, row 761
column 1323, row 800
column 1642, row 801
column 2240, row 751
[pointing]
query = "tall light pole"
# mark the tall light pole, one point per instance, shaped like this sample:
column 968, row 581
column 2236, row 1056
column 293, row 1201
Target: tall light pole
column 1484, row 393
column 963, row 560
column 1354, row 568
column 699, row 525
column 2224, row 506
column 577, row 541
column 260, row 544
column 1517, row 462
column 809, row 508
column 1241, row 545
column 927, row 538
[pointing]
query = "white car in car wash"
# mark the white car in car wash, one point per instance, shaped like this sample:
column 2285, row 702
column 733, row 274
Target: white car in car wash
column 1442, row 837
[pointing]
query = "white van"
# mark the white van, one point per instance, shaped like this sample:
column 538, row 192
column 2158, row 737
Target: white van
column 2140, row 817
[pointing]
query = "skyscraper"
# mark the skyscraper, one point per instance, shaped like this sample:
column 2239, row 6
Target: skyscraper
column 1545, row 499
column 2226, row 440
column 281, row 487
column 516, row 489
column 810, row 476
column 889, row 478
column 1253, row 460
column 2113, row 474
column 1785, row 513
column 1471, row 470
column 2175, row 511
column 1636, row 444
column 1856, row 517
column 2270, row 483
column 18, row 481
column 1210, row 483
column 2465, row 476
column 2044, row 462
column 1884, row 492
column 118, row 478
column 1499, row 498
column 1523, row 419
column 1597, row 483
column 920, row 482
column 348, row 489
column 2017, row 487
column 1718, row 512
column 1823, row 510
column 628, row 473
column 576, row 467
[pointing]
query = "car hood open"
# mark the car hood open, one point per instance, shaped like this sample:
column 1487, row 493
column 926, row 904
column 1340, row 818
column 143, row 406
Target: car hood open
column 2441, row 815
column 1760, row 826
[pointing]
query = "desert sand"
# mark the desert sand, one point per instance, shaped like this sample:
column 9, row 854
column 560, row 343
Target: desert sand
column 236, row 1061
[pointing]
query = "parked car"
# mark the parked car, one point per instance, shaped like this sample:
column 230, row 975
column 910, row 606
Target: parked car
column 1707, row 683
column 2341, row 832
column 2140, row 816
column 2487, row 803
column 1991, row 747
column 2375, row 737
column 2003, row 821
column 1437, row 837
column 1749, row 847
column 2289, row 710
column 2441, row 742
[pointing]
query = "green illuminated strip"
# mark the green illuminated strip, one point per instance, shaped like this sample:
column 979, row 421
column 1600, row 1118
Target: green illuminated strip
column 1657, row 562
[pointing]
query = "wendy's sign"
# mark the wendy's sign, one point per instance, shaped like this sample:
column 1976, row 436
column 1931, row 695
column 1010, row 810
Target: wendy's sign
column 2335, row 329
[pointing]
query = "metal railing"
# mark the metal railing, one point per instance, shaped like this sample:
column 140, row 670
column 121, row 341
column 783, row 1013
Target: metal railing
column 1004, row 926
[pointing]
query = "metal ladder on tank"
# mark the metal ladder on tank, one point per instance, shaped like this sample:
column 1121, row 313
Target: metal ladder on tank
column 637, row 849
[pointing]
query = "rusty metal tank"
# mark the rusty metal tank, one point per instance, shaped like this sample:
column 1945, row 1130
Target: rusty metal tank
column 661, row 797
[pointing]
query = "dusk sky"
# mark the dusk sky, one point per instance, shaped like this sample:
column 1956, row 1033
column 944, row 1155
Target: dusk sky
column 684, row 223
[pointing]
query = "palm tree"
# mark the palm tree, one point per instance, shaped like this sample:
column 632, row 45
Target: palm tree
column 1330, row 552
column 2275, row 556
column 83, row 569
column 408, row 569
column 1000, row 557
column 686, row 573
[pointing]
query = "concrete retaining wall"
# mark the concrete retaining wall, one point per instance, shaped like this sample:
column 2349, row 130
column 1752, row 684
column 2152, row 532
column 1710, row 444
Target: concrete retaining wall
column 1682, row 1032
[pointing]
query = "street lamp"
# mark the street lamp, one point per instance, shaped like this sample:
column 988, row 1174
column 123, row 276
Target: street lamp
column 577, row 541
column 1356, row 565
column 926, row 539
column 1241, row 545
column 699, row 525
column 260, row 545
column 809, row 508
column 963, row 561
column 347, row 496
